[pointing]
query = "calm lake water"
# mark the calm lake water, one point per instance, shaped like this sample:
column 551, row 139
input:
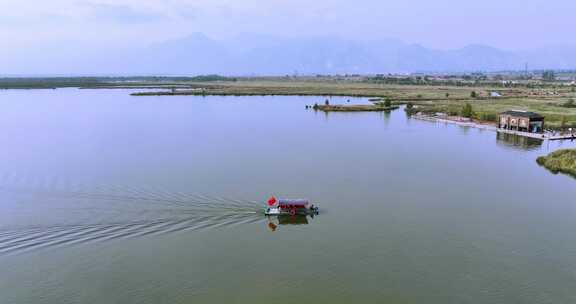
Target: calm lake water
column 108, row 198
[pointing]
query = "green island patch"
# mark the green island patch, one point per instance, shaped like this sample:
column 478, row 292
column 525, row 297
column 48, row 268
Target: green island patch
column 561, row 161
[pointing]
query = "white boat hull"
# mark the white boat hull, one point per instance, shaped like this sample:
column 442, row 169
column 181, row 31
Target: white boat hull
column 273, row 211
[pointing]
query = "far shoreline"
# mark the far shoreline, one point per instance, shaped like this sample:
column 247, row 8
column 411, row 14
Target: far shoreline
column 447, row 94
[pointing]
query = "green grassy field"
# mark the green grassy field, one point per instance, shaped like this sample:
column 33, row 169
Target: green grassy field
column 446, row 99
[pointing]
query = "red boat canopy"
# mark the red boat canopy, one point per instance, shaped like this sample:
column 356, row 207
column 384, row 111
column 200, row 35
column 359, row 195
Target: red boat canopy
column 293, row 203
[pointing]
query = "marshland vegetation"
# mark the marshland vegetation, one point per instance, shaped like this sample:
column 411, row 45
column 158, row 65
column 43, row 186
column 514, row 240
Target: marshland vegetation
column 487, row 95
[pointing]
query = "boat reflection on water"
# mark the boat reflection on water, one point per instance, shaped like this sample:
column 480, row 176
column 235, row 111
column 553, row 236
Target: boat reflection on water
column 287, row 220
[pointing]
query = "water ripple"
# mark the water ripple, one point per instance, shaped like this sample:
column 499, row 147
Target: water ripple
column 146, row 212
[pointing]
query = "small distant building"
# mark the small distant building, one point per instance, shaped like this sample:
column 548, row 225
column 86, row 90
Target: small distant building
column 521, row 121
column 495, row 94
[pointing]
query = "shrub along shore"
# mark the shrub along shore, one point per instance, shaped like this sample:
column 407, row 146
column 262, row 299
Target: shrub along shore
column 561, row 161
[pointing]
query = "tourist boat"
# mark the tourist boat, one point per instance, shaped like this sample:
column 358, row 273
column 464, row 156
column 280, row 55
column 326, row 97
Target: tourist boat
column 290, row 207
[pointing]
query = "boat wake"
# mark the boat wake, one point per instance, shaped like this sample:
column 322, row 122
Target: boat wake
column 118, row 214
column 35, row 238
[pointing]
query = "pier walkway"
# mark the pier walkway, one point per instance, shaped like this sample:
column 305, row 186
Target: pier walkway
column 490, row 127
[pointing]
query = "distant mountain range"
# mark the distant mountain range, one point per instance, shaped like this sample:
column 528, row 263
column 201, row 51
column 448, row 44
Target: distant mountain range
column 261, row 55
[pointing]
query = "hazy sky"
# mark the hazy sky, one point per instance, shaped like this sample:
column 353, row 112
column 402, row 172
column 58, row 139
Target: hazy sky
column 511, row 24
